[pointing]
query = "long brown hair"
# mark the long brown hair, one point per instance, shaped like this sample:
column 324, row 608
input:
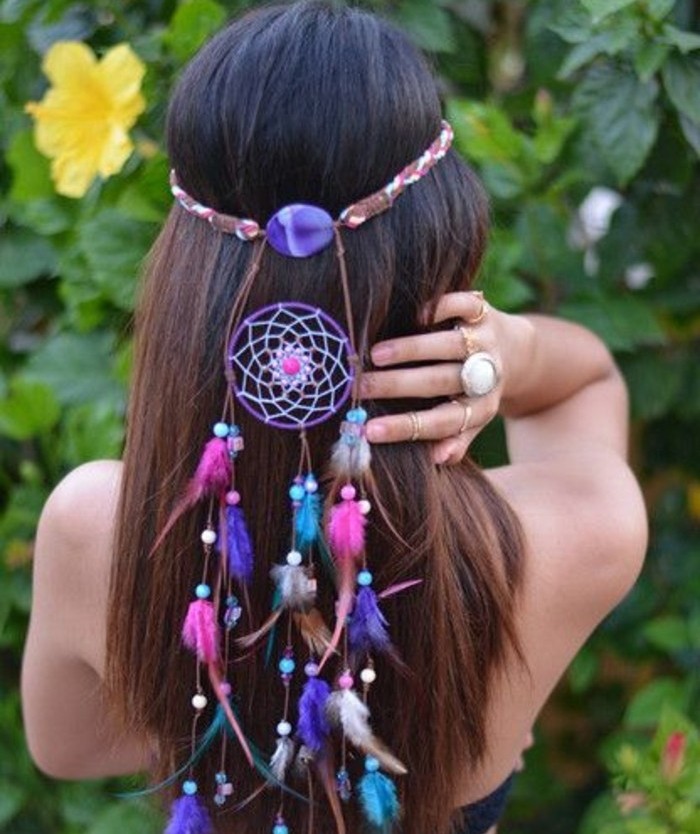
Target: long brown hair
column 320, row 104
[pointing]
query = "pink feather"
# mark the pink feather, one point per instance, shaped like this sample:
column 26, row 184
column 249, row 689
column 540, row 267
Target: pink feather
column 200, row 633
column 347, row 573
column 212, row 477
column 213, row 474
column 346, row 530
column 222, row 697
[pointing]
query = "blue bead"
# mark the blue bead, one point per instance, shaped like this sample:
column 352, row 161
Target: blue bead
column 220, row 778
column 203, row 591
column 280, row 828
column 189, row 787
column 371, row 764
column 359, row 415
column 287, row 665
column 296, row 492
column 364, row 578
column 234, row 430
column 221, row 429
column 219, row 799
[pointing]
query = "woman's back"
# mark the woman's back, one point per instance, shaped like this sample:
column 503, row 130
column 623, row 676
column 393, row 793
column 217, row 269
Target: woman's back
column 495, row 579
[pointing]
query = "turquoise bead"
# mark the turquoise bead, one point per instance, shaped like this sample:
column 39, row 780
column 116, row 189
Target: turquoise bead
column 364, row 578
column 280, row 828
column 221, row 429
column 371, row 764
column 189, row 787
column 296, row 492
column 203, row 591
column 357, row 415
column 287, row 665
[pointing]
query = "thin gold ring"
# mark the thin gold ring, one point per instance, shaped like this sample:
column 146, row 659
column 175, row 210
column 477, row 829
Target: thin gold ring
column 482, row 312
column 416, row 426
column 469, row 344
column 468, row 411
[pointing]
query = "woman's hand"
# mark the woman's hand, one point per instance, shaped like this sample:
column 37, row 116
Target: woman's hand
column 455, row 423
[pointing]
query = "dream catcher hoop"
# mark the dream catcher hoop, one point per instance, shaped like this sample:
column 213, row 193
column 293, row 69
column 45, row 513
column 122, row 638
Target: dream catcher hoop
column 290, row 365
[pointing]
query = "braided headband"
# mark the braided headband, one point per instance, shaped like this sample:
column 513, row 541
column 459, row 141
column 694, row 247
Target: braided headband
column 301, row 230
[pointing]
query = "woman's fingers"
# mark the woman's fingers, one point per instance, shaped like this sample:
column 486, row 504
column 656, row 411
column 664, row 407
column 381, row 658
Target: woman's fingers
column 470, row 306
column 428, row 347
column 430, row 381
column 459, row 420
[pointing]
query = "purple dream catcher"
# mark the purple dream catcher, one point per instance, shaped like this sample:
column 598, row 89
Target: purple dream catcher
column 290, row 365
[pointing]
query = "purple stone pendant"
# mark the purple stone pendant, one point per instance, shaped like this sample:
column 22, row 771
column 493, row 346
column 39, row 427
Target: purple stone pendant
column 300, row 230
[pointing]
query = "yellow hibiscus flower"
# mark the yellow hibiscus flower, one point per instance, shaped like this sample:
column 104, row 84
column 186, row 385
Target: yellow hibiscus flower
column 82, row 122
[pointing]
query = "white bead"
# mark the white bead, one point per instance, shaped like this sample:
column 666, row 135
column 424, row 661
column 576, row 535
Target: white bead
column 368, row 675
column 199, row 701
column 294, row 558
column 208, row 536
column 284, row 728
column 364, row 506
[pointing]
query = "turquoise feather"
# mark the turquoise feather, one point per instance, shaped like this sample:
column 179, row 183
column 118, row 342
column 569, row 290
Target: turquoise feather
column 307, row 521
column 218, row 725
column 378, row 798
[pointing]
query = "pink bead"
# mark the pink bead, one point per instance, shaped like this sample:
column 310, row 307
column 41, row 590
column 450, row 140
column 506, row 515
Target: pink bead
column 291, row 365
column 348, row 492
column 345, row 681
column 233, row 497
column 225, row 688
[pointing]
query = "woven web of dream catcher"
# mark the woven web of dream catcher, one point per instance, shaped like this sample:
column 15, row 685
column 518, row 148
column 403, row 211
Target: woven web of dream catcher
column 290, row 365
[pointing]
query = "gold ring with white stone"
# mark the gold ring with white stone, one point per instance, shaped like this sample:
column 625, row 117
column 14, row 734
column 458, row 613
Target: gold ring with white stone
column 479, row 374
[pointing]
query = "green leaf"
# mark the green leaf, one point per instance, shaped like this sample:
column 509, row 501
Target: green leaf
column 623, row 323
column 148, row 197
column 29, row 410
column 127, row 816
column 622, row 114
column 668, row 633
column 600, row 9
column 682, row 82
column 93, row 431
column 193, row 22
column 77, row 368
column 428, row 25
column 691, row 131
column 12, row 797
column 649, row 57
column 24, row 257
column 31, row 179
column 647, row 705
column 685, row 41
column 484, row 133
column 583, row 670
column 610, row 42
column 572, row 23
column 656, row 383
column 114, row 246
column 658, row 9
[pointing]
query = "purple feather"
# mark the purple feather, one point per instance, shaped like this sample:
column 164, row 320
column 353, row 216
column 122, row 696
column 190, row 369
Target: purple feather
column 189, row 816
column 367, row 626
column 313, row 725
column 240, row 547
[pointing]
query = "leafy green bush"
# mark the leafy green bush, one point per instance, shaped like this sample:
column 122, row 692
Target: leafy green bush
column 583, row 118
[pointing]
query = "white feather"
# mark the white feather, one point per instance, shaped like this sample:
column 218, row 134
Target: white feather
column 303, row 761
column 351, row 460
column 282, row 758
column 347, row 710
column 296, row 588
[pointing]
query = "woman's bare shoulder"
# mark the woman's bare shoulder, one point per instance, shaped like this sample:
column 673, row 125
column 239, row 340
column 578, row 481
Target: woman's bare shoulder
column 72, row 555
column 83, row 503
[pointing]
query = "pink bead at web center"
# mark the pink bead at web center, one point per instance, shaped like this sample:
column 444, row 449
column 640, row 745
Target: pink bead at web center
column 291, row 365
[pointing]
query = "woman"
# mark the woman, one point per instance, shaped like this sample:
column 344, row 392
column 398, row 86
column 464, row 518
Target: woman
column 496, row 577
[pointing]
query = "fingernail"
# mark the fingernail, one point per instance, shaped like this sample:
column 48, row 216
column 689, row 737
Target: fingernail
column 381, row 354
column 376, row 432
